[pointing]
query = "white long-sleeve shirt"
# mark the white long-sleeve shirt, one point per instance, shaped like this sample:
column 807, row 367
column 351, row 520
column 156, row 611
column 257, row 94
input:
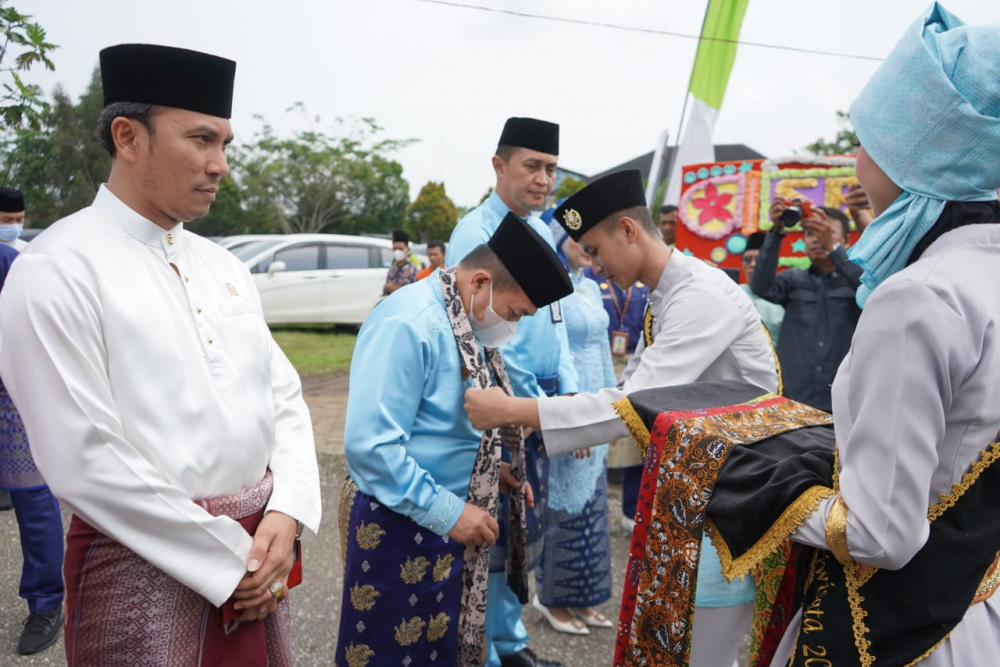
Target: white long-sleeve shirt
column 915, row 402
column 143, row 388
column 704, row 328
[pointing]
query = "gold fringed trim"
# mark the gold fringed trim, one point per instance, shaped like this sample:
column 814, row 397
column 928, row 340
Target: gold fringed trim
column 633, row 422
column 787, row 523
column 948, row 500
column 836, row 530
column 858, row 614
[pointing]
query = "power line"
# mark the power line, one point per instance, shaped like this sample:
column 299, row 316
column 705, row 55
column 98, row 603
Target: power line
column 650, row 31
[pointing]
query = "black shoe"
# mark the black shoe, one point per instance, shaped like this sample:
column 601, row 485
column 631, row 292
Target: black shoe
column 41, row 631
column 5, row 501
column 526, row 658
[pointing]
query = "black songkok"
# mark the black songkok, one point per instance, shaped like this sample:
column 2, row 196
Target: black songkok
column 537, row 135
column 168, row 76
column 11, row 200
column 531, row 261
column 756, row 240
column 399, row 236
column 615, row 192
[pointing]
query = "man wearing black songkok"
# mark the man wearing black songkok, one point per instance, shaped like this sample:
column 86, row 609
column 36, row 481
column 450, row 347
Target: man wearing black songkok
column 178, row 421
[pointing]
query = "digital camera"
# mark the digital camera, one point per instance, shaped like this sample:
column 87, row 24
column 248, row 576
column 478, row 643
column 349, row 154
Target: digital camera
column 795, row 211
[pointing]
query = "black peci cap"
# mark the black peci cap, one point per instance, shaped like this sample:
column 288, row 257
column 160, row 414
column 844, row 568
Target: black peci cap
column 537, row 135
column 168, row 76
column 11, row 200
column 531, row 261
column 399, row 236
column 755, row 241
column 615, row 192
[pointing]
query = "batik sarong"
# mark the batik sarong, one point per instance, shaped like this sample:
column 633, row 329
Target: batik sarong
column 575, row 568
column 402, row 589
column 17, row 468
column 123, row 611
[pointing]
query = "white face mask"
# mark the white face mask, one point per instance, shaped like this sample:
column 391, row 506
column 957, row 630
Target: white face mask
column 493, row 330
column 399, row 255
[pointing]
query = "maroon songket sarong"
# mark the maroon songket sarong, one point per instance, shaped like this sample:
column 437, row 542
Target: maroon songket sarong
column 123, row 611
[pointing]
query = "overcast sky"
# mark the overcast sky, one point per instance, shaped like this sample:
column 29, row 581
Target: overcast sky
column 450, row 76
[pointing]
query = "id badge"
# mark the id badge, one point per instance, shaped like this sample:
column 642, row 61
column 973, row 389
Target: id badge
column 556, row 311
column 619, row 343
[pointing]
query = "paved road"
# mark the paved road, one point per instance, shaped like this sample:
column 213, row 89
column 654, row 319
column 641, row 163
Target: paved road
column 316, row 604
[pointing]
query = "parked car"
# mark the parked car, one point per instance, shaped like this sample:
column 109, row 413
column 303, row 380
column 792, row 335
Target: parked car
column 240, row 240
column 318, row 278
column 29, row 233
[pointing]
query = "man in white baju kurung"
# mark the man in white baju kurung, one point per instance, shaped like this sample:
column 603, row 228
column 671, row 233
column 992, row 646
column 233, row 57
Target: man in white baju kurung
column 150, row 385
column 699, row 327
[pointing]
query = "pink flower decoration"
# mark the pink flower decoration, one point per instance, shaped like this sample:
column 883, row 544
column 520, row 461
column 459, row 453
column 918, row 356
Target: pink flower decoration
column 713, row 205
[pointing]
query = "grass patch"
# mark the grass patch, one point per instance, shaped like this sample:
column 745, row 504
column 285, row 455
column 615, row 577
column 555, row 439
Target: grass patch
column 317, row 350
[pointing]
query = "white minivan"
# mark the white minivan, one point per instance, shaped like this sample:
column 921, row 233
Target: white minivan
column 317, row 278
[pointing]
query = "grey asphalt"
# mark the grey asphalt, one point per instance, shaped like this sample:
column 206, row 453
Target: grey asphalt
column 316, row 604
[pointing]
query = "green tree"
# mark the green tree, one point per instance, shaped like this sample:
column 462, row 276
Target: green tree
column 569, row 187
column 315, row 182
column 60, row 165
column 23, row 45
column 486, row 196
column 432, row 215
column 842, row 144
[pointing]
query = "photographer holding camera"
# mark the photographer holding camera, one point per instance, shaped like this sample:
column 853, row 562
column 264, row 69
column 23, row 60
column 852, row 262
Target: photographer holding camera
column 820, row 309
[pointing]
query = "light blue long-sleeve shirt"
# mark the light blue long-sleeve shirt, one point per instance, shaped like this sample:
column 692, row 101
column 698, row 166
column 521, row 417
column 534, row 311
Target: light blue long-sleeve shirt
column 540, row 348
column 407, row 438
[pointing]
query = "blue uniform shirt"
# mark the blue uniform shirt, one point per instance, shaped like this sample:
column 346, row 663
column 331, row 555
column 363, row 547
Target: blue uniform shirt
column 407, row 438
column 7, row 255
column 540, row 348
column 632, row 318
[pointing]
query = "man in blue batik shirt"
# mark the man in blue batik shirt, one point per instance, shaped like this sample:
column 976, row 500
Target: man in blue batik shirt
column 538, row 358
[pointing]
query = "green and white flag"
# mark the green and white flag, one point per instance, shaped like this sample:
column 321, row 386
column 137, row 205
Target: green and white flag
column 709, row 78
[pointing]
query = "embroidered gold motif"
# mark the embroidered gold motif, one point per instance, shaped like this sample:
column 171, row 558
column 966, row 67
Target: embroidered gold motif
column 408, row 632
column 647, row 326
column 358, row 656
column 836, row 531
column 438, row 627
column 990, row 582
column 991, row 454
column 369, row 535
column 783, row 527
column 347, row 493
column 858, row 614
column 413, row 571
column 442, row 567
column 363, row 597
column 232, row 289
column 572, row 219
column 633, row 423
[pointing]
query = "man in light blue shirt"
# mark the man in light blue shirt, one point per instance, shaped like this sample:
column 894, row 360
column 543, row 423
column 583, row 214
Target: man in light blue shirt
column 411, row 451
column 538, row 359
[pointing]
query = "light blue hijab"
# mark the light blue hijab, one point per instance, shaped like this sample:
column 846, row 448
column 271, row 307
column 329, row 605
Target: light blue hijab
column 930, row 119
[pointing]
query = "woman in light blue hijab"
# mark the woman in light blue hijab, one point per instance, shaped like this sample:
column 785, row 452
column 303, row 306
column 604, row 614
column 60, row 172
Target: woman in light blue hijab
column 916, row 402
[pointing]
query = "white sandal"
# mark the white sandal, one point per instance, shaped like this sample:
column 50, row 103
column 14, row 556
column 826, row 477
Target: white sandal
column 594, row 620
column 572, row 627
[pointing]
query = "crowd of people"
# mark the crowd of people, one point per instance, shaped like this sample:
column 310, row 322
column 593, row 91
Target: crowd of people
column 145, row 391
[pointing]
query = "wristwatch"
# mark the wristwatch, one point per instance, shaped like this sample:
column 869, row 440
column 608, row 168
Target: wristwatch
column 298, row 531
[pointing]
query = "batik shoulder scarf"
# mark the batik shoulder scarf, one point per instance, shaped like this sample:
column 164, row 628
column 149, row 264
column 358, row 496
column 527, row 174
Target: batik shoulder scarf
column 750, row 467
column 484, row 487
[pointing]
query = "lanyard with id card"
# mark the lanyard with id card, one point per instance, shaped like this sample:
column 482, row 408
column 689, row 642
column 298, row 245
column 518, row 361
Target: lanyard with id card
column 619, row 339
